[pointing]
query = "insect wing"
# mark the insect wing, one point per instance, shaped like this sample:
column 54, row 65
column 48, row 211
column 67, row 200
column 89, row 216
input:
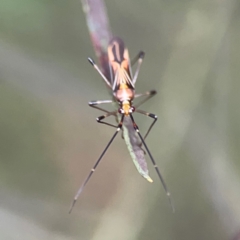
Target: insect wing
column 119, row 64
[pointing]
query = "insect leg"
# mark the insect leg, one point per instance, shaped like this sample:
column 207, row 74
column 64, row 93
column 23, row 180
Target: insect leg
column 117, row 120
column 151, row 115
column 99, row 119
column 134, row 60
column 94, row 104
column 153, row 162
column 96, row 164
column 148, row 95
column 100, row 72
column 139, row 62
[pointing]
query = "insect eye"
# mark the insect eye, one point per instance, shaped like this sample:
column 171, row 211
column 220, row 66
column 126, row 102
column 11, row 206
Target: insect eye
column 120, row 110
column 132, row 109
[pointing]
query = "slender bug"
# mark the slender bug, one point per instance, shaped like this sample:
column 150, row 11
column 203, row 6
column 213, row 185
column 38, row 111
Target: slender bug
column 122, row 86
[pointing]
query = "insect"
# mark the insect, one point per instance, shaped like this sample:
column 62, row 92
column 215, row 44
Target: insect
column 122, row 86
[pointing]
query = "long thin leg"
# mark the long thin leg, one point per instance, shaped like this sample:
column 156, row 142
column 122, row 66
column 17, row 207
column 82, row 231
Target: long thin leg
column 96, row 164
column 117, row 120
column 139, row 62
column 94, row 104
column 99, row 119
column 154, row 163
column 148, row 95
column 134, row 60
column 151, row 115
column 100, row 72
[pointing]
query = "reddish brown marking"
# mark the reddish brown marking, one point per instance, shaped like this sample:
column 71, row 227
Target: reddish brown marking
column 118, row 55
column 125, row 65
column 116, row 50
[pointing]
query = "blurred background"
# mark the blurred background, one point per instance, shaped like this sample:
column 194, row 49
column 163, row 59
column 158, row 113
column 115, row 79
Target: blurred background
column 49, row 139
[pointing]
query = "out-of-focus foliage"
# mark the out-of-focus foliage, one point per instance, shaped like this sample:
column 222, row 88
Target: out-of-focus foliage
column 24, row 152
column 49, row 139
